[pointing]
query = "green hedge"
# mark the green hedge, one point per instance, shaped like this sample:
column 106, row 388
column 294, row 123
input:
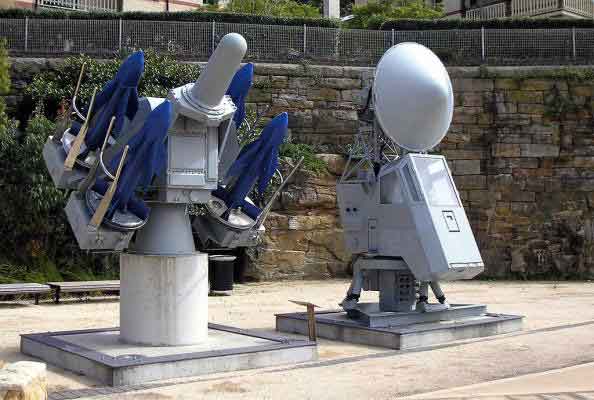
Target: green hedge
column 375, row 23
column 500, row 23
column 49, row 88
column 196, row 16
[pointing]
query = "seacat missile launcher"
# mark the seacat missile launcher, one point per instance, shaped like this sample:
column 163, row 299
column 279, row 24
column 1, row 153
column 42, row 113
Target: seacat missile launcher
column 189, row 164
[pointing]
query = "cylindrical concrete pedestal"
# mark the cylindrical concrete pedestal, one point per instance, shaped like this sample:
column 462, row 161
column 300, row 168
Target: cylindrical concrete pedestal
column 164, row 299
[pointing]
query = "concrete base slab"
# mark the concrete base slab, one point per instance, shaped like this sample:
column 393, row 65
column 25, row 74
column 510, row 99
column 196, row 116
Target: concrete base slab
column 100, row 354
column 335, row 325
column 369, row 314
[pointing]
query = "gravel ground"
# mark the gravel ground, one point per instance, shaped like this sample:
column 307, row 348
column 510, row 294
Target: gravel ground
column 558, row 332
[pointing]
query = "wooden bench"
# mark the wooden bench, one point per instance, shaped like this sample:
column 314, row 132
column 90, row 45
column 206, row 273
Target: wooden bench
column 83, row 287
column 13, row 289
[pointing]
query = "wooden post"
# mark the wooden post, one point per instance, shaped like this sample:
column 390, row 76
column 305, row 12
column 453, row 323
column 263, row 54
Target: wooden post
column 311, row 318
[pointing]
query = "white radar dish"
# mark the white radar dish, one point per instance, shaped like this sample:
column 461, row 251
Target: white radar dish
column 413, row 97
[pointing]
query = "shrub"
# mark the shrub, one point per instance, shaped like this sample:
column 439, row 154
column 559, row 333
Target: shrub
column 249, row 132
column 294, row 151
column 37, row 244
column 50, row 88
column 4, row 84
column 497, row 23
column 276, row 8
column 374, row 13
column 195, row 16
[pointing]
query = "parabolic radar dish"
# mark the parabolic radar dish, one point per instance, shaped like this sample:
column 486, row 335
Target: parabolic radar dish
column 413, row 97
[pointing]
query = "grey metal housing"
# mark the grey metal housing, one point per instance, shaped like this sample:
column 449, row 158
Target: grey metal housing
column 400, row 215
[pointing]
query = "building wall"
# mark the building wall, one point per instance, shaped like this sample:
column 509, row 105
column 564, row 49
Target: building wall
column 452, row 8
column 160, row 5
column 29, row 4
column 128, row 5
column 521, row 151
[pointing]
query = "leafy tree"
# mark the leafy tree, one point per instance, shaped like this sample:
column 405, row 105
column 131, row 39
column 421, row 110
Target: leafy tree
column 4, row 84
column 373, row 13
column 276, row 8
column 37, row 244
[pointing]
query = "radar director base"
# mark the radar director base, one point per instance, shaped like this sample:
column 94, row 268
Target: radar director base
column 416, row 329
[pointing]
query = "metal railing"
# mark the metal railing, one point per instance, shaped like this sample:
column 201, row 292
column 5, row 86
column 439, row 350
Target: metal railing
column 581, row 7
column 81, row 5
column 488, row 12
column 533, row 8
column 293, row 44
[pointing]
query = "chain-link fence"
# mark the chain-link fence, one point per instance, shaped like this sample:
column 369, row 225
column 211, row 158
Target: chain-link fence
column 294, row 44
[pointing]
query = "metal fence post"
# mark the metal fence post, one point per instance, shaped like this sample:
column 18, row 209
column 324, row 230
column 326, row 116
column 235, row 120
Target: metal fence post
column 121, row 23
column 26, row 33
column 483, row 49
column 393, row 38
column 337, row 54
column 573, row 41
column 304, row 39
column 212, row 47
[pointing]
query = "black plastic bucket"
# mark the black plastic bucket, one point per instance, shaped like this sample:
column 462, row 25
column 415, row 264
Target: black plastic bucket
column 221, row 272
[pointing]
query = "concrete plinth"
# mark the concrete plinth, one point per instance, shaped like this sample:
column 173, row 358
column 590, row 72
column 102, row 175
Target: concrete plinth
column 369, row 314
column 164, row 299
column 335, row 325
column 100, row 354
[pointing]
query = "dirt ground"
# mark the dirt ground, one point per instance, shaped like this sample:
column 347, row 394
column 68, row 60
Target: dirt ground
column 558, row 332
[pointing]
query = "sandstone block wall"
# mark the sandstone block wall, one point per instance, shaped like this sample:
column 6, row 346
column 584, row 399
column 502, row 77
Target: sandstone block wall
column 521, row 148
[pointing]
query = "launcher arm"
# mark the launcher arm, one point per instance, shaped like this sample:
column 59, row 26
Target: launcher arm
column 106, row 200
column 76, row 146
column 63, row 123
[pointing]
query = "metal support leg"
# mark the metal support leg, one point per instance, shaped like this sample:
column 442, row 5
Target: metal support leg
column 57, row 296
column 436, row 288
column 36, row 298
column 424, row 292
column 354, row 292
column 423, row 302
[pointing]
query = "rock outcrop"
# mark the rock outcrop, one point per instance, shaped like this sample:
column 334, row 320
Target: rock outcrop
column 23, row 380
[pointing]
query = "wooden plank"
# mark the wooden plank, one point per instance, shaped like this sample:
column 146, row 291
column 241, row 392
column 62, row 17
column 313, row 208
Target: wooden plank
column 65, row 288
column 85, row 286
column 15, row 288
column 84, row 283
column 6, row 291
column 88, row 289
column 82, row 287
column 14, row 285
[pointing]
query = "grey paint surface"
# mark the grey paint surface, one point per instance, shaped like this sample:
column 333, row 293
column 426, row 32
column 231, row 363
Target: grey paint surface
column 335, row 325
column 97, row 353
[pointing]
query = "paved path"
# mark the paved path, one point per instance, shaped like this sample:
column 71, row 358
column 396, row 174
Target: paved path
column 575, row 382
column 571, row 383
column 558, row 333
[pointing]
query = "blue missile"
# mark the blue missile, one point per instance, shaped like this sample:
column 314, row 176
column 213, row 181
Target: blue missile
column 238, row 90
column 256, row 163
column 143, row 162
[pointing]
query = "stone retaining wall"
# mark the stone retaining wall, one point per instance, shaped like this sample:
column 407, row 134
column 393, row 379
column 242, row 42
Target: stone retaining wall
column 521, row 147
